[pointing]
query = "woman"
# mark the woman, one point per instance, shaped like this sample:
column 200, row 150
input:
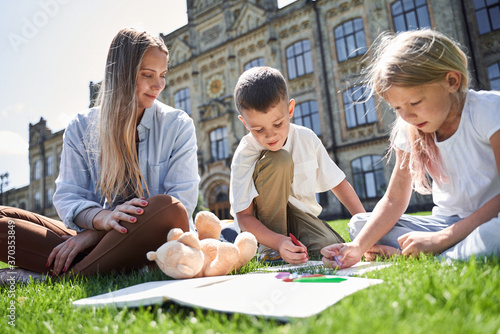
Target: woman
column 128, row 174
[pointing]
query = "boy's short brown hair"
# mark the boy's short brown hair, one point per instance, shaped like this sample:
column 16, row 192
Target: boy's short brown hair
column 260, row 88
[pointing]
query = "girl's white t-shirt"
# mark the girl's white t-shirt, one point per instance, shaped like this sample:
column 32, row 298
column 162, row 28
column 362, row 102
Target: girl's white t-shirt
column 468, row 158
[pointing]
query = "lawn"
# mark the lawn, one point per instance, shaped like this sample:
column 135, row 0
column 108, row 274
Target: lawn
column 417, row 296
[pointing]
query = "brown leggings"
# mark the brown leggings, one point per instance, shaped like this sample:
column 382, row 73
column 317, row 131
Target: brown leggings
column 36, row 236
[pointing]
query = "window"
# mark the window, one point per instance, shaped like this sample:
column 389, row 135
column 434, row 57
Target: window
column 358, row 110
column 306, row 114
column 350, row 40
column 38, row 170
column 48, row 197
column 50, row 165
column 219, row 201
column 181, row 100
column 299, row 59
column 488, row 15
column 410, row 15
column 38, row 201
column 254, row 63
column 368, row 175
column 218, row 144
column 494, row 76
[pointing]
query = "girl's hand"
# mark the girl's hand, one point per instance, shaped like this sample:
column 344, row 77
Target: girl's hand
column 414, row 243
column 348, row 254
column 107, row 220
column 291, row 253
column 64, row 254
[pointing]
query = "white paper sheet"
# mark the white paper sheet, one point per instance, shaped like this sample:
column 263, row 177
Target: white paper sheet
column 260, row 294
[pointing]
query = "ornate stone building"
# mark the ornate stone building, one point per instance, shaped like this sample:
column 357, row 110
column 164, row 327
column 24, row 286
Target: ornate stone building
column 44, row 156
column 319, row 46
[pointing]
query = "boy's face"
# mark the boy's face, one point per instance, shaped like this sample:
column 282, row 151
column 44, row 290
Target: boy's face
column 270, row 129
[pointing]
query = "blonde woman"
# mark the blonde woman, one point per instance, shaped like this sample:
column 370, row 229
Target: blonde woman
column 128, row 174
column 443, row 130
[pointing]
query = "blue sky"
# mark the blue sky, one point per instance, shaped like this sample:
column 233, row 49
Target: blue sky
column 50, row 51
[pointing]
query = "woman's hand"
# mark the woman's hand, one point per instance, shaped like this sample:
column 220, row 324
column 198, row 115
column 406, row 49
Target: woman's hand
column 107, row 220
column 348, row 254
column 414, row 243
column 64, row 254
column 291, row 253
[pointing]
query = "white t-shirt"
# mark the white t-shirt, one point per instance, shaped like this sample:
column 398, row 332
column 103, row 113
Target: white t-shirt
column 314, row 171
column 468, row 158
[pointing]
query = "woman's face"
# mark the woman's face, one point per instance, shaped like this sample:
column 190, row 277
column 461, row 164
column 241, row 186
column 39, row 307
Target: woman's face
column 151, row 77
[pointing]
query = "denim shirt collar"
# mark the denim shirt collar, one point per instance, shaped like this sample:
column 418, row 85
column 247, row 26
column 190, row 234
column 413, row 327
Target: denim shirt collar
column 146, row 121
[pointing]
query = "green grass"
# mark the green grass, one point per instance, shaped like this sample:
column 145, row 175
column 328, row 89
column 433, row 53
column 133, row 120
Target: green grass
column 417, row 296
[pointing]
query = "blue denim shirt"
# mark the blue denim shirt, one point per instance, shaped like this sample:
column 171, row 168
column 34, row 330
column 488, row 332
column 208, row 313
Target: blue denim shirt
column 167, row 158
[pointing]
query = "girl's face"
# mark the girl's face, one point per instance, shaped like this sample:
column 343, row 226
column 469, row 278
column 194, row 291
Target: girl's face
column 270, row 129
column 432, row 107
column 151, row 77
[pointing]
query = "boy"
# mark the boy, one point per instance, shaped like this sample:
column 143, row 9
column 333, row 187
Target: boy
column 278, row 168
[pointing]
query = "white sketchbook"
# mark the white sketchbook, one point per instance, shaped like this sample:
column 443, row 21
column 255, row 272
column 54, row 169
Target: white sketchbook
column 259, row 294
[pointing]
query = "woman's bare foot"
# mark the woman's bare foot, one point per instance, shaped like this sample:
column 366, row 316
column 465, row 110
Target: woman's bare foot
column 381, row 251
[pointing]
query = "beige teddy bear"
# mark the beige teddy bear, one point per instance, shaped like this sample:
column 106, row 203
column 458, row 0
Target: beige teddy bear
column 185, row 256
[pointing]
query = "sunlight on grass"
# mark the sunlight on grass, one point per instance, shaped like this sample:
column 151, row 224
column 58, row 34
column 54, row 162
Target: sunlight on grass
column 418, row 296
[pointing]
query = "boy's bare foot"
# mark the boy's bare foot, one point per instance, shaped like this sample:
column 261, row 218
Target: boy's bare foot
column 381, row 251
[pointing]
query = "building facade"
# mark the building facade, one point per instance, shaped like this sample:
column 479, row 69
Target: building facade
column 321, row 48
column 44, row 156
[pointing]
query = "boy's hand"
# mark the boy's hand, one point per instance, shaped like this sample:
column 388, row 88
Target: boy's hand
column 291, row 253
column 347, row 254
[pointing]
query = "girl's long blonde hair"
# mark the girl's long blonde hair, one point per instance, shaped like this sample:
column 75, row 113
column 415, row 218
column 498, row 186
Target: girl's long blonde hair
column 120, row 176
column 410, row 59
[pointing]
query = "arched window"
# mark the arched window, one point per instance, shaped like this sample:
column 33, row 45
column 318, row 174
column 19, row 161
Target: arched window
column 182, row 101
column 299, row 59
column 255, row 63
column 218, row 144
column 48, row 197
column 50, row 166
column 37, row 174
column 410, row 15
column 350, row 39
column 494, row 76
column 306, row 114
column 358, row 110
column 38, row 201
column 488, row 15
column 219, row 201
column 368, row 176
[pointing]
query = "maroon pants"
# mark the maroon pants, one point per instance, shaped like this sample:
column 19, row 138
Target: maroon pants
column 35, row 236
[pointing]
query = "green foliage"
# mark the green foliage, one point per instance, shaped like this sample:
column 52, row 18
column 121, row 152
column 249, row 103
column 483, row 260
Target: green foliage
column 421, row 295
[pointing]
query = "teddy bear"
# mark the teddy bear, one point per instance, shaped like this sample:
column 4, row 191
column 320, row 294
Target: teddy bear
column 186, row 255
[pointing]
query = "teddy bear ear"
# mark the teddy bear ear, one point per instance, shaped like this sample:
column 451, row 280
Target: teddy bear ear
column 190, row 239
column 151, row 256
column 174, row 234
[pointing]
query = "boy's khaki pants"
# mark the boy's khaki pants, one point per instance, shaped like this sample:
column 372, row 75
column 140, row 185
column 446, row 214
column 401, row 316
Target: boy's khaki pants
column 273, row 177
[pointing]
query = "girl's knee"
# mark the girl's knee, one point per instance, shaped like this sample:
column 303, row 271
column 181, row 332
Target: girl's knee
column 356, row 224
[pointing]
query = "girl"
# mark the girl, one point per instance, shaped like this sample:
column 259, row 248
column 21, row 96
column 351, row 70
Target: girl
column 128, row 174
column 442, row 129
